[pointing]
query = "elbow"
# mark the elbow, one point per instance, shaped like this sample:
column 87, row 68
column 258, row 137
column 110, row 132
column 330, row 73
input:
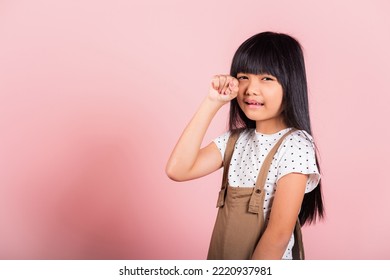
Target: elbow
column 173, row 174
column 178, row 172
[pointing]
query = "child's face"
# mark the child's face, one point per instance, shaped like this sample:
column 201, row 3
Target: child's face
column 260, row 97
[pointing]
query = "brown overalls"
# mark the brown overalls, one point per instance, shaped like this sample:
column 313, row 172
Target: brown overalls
column 240, row 219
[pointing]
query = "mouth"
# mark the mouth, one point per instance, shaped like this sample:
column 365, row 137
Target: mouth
column 253, row 103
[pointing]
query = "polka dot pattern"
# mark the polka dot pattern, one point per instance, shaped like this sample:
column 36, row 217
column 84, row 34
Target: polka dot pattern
column 296, row 154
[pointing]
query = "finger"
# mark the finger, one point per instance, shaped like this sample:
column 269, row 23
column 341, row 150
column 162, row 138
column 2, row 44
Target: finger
column 226, row 84
column 215, row 82
column 233, row 85
column 222, row 80
column 234, row 82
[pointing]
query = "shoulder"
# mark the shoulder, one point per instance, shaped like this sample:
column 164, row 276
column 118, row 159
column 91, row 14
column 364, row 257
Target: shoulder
column 242, row 136
column 298, row 155
column 299, row 139
column 222, row 138
column 298, row 147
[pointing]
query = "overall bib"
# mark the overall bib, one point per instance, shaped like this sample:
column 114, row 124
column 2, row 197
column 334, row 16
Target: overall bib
column 240, row 220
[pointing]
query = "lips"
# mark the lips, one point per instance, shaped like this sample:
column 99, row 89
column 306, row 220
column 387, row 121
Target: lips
column 253, row 102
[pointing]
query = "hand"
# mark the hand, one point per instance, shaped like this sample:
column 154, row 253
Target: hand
column 223, row 88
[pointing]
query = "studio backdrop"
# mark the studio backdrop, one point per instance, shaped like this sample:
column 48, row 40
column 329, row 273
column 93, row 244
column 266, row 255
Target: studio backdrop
column 94, row 95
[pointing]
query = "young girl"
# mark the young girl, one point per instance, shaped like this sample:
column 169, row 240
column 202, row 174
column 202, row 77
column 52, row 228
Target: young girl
column 271, row 174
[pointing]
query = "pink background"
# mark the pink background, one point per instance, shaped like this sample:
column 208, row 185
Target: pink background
column 94, row 95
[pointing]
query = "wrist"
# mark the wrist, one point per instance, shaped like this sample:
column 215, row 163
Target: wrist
column 213, row 104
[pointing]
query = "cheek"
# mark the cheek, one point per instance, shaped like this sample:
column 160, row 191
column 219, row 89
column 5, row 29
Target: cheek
column 280, row 105
column 240, row 94
column 240, row 103
column 280, row 100
column 277, row 96
column 241, row 90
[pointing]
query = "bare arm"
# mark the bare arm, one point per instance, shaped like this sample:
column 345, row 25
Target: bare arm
column 188, row 161
column 284, row 213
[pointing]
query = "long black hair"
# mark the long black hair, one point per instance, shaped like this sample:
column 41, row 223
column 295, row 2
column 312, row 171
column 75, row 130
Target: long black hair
column 281, row 56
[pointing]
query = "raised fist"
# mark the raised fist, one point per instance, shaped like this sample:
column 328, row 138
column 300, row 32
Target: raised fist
column 223, row 88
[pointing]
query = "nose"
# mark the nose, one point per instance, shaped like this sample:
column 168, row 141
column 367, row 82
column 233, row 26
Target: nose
column 253, row 88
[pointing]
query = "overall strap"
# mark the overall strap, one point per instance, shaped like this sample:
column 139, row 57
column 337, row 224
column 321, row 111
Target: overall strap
column 257, row 197
column 226, row 162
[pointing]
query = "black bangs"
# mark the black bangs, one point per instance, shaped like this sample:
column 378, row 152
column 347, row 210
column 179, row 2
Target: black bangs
column 256, row 56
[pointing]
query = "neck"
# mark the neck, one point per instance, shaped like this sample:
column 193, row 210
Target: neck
column 270, row 127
